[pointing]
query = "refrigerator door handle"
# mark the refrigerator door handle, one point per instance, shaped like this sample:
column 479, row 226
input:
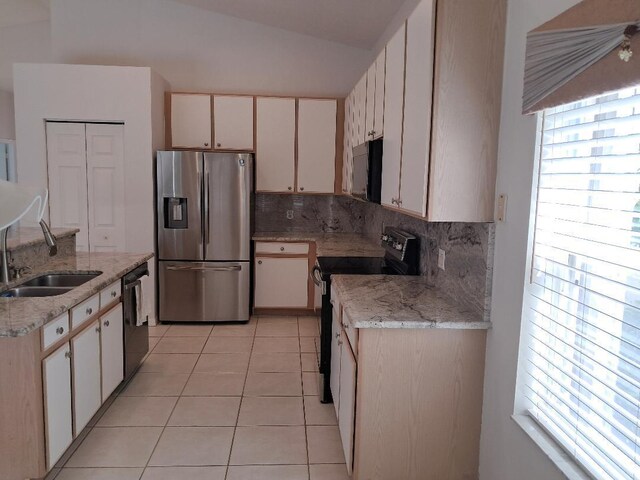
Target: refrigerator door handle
column 233, row 268
column 207, row 185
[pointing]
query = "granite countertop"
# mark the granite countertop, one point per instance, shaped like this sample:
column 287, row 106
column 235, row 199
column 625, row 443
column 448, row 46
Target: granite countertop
column 20, row 316
column 329, row 244
column 388, row 301
column 26, row 236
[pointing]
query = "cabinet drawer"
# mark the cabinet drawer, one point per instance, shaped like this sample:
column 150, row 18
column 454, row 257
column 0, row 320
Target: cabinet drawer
column 110, row 294
column 282, row 248
column 55, row 330
column 85, row 310
column 352, row 333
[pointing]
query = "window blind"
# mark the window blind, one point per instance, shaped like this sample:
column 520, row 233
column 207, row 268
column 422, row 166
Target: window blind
column 582, row 306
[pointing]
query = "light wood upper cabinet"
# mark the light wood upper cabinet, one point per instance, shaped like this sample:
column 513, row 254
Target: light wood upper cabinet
column 316, row 145
column 370, row 102
column 190, row 120
column 87, row 398
column 418, row 88
column 378, row 116
column 111, row 350
column 233, row 122
column 56, row 370
column 393, row 118
column 275, row 144
column 361, row 111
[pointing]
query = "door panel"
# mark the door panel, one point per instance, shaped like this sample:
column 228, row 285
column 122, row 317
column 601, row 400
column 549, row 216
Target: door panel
column 393, row 110
column 275, row 144
column 227, row 196
column 190, row 121
column 105, row 179
column 87, row 396
column 179, row 180
column 417, row 113
column 336, row 339
column 233, row 122
column 347, row 407
column 316, row 145
column 378, row 120
column 281, row 282
column 371, row 101
column 204, row 292
column 57, row 401
column 112, row 350
column 67, row 175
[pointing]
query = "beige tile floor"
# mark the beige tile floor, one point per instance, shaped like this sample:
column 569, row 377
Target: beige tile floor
column 228, row 402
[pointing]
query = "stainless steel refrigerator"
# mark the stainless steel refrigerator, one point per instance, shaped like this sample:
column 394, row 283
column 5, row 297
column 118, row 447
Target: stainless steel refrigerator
column 203, row 203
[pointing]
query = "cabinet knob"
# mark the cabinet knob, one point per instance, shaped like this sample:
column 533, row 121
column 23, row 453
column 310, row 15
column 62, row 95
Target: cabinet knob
column 60, row 330
column 339, row 342
column 67, row 354
column 89, row 311
column 345, row 326
column 259, row 262
column 206, row 144
column 113, row 294
column 338, row 335
column 282, row 249
column 218, row 145
column 106, row 323
column 302, row 189
column 289, row 188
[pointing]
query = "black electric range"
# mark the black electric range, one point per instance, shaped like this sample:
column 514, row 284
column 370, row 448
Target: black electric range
column 402, row 253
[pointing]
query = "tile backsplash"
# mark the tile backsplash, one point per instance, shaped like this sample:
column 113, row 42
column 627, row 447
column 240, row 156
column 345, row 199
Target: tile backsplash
column 468, row 246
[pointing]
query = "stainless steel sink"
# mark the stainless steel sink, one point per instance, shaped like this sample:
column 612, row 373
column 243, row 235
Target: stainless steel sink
column 34, row 291
column 60, row 280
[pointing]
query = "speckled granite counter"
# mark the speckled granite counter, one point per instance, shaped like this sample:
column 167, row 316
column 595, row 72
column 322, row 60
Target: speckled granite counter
column 20, row 316
column 387, row 301
column 329, row 244
column 28, row 236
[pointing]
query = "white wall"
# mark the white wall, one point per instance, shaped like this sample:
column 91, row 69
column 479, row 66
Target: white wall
column 394, row 24
column 131, row 95
column 7, row 121
column 29, row 42
column 506, row 452
column 199, row 50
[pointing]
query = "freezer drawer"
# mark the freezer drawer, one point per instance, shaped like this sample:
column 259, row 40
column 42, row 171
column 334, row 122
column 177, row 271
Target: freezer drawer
column 204, row 291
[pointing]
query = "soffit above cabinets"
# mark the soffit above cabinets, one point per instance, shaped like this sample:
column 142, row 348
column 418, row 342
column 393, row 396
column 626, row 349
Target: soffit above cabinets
column 358, row 23
column 20, row 12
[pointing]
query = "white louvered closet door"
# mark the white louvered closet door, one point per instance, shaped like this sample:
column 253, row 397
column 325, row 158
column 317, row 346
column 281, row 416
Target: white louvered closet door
column 105, row 179
column 67, row 176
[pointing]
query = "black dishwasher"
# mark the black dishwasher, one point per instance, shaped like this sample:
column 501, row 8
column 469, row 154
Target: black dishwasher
column 136, row 331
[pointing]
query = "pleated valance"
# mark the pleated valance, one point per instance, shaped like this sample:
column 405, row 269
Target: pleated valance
column 585, row 51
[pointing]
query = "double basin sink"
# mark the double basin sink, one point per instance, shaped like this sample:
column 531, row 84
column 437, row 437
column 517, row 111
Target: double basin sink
column 49, row 285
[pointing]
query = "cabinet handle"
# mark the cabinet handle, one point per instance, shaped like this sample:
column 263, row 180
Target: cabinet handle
column 106, row 323
column 259, row 262
column 97, row 329
column 206, row 144
column 60, row 330
column 338, row 335
column 302, row 189
column 289, row 188
column 339, row 342
column 282, row 249
column 67, row 354
column 218, row 145
column 345, row 326
column 89, row 311
column 113, row 294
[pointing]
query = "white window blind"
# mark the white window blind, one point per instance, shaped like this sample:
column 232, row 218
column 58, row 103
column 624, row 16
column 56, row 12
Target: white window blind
column 582, row 306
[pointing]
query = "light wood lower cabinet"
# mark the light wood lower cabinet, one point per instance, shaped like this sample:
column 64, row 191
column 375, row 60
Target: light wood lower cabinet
column 111, row 350
column 281, row 282
column 56, row 369
column 87, row 398
column 409, row 402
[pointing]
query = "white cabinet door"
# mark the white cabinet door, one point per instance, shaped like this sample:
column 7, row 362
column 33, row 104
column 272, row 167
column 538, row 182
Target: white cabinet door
column 233, row 122
column 275, row 144
column 347, row 406
column 190, row 120
column 281, row 282
column 67, row 174
column 370, row 109
column 414, row 177
column 316, row 145
column 112, row 350
column 86, row 375
column 347, row 154
column 57, row 403
column 393, row 110
column 378, row 117
column 336, row 349
column 361, row 113
column 105, row 179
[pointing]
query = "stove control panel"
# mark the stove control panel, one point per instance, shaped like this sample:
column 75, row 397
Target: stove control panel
column 396, row 242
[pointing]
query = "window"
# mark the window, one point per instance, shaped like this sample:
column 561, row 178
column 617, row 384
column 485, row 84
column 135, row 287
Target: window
column 7, row 161
column 580, row 358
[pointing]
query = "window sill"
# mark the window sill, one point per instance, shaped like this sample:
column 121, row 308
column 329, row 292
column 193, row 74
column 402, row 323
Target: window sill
column 561, row 459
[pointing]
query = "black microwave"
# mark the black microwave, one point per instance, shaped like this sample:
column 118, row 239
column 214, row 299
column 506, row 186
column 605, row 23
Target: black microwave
column 366, row 175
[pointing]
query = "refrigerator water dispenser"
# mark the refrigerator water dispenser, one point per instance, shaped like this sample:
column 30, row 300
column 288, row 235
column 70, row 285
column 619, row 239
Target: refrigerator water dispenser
column 175, row 213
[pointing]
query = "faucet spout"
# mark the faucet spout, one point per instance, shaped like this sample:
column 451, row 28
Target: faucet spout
column 49, row 238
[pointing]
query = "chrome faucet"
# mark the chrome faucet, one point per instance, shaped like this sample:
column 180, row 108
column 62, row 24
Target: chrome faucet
column 5, row 268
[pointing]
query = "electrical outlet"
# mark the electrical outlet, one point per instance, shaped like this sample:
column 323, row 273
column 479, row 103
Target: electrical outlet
column 289, row 214
column 441, row 257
